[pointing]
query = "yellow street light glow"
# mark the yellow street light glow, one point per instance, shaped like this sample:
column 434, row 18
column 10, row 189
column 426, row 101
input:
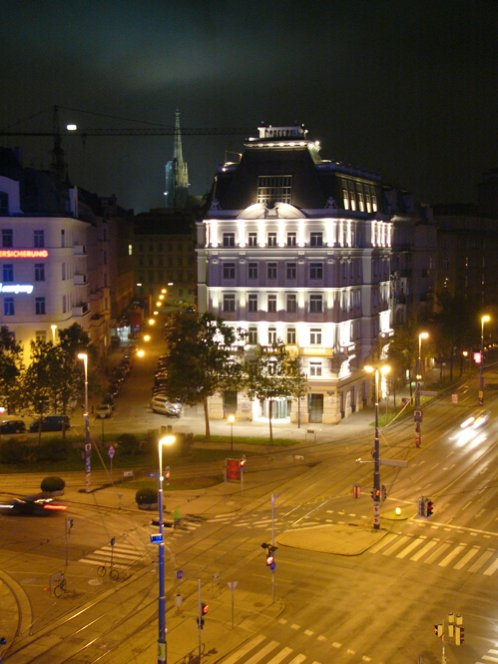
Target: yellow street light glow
column 155, row 313
column 167, row 440
column 146, row 337
column 164, row 290
column 158, row 303
column 423, row 335
column 486, row 318
column 140, row 352
column 384, row 369
column 231, row 419
column 397, row 511
column 161, row 297
column 151, row 321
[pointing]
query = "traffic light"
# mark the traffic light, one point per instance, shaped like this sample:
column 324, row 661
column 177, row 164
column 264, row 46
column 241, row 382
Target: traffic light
column 429, row 508
column 270, row 555
column 204, row 611
column 384, row 492
column 421, row 506
column 459, row 635
column 375, row 493
column 438, row 630
column 167, row 475
column 242, row 463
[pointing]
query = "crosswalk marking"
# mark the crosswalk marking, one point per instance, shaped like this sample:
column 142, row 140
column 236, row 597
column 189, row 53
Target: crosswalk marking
column 399, row 543
column 492, row 568
column 298, row 659
column 480, row 561
column 438, row 553
column 427, row 547
column 265, row 650
column 487, row 658
column 235, row 657
column 383, row 542
column 451, row 555
column 468, row 556
column 122, row 555
column 410, row 547
column 281, row 655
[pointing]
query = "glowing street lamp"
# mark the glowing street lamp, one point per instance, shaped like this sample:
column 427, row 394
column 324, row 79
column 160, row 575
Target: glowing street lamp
column 484, row 319
column 146, row 337
column 53, row 327
column 417, row 416
column 140, row 353
column 88, row 444
column 231, row 421
column 162, row 650
column 377, row 371
column 151, row 321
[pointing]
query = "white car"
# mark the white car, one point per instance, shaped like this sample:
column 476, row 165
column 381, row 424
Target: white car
column 161, row 404
column 103, row 411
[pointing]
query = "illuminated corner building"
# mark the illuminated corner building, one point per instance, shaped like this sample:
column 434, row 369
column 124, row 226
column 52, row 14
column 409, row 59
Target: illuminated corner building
column 296, row 248
column 58, row 257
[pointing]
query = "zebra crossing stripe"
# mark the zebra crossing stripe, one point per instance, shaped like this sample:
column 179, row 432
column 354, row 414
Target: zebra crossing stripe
column 481, row 560
column 492, row 568
column 410, row 547
column 487, row 658
column 438, row 553
column 468, row 556
column 280, row 656
column 265, row 650
column 383, row 542
column 298, row 659
column 398, row 544
column 236, row 657
column 427, row 547
column 453, row 554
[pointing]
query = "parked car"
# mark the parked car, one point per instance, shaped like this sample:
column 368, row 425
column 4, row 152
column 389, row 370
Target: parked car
column 12, row 426
column 160, row 404
column 50, row 423
column 31, row 506
column 103, row 411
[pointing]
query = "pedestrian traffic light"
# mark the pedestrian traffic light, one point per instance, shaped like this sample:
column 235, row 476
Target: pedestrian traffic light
column 384, row 492
column 242, row 463
column 203, row 612
column 459, row 635
column 270, row 555
column 204, row 608
column 429, row 508
column 438, row 630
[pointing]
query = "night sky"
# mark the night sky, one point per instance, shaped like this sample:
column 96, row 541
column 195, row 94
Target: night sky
column 404, row 88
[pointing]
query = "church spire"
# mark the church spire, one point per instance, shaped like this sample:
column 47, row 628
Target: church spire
column 176, row 172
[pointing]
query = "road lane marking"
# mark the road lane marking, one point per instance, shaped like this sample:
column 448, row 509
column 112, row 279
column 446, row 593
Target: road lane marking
column 297, row 659
column 281, row 655
column 427, row 547
column 453, row 554
column 438, row 552
column 480, row 561
column 383, row 542
column 265, row 650
column 492, row 568
column 396, row 545
column 410, row 547
column 468, row 556
column 233, row 659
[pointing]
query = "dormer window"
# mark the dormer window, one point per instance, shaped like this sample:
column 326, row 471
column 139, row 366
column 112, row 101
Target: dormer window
column 274, row 189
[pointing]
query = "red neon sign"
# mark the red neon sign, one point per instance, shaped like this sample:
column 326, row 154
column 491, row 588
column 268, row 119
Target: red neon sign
column 23, row 253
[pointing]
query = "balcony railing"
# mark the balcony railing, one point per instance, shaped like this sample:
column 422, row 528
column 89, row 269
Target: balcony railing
column 79, row 250
column 80, row 279
column 81, row 309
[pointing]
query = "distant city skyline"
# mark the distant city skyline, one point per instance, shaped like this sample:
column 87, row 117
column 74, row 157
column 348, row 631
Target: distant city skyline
column 406, row 90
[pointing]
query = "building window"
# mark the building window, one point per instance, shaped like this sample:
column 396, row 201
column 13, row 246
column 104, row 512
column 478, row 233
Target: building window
column 39, row 238
column 63, row 271
column 228, row 270
column 316, row 239
column 291, row 271
column 229, row 302
column 272, row 335
column 229, row 239
column 64, row 304
column 291, row 303
column 272, row 303
column 291, row 239
column 345, row 199
column 252, row 302
column 271, row 271
column 272, row 239
column 252, row 270
column 8, row 272
column 316, row 304
column 368, row 204
column 39, row 306
column 274, row 189
column 316, row 271
column 4, row 204
column 291, row 336
column 63, row 238
column 7, row 237
column 252, row 337
column 253, row 240
column 361, row 202
column 315, row 336
column 39, row 272
column 8, row 306
column 315, row 368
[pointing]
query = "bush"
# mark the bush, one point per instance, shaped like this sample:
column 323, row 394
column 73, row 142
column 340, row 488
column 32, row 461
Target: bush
column 129, row 445
column 14, row 452
column 146, row 497
column 49, row 484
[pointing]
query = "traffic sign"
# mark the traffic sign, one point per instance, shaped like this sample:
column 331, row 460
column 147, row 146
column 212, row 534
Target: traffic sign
column 111, row 452
column 179, row 574
column 156, row 539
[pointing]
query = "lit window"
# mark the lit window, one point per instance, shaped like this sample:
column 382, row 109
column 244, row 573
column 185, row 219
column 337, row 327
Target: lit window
column 291, row 303
column 252, row 271
column 316, row 239
column 252, row 337
column 8, row 272
column 253, row 240
column 315, row 337
column 374, row 203
column 272, row 239
column 228, row 270
column 316, row 304
column 39, row 306
column 228, row 302
column 315, row 368
column 8, row 306
column 229, row 239
column 291, row 336
column 271, row 272
column 361, row 201
column 272, row 303
column 39, row 272
column 291, row 271
column 291, row 239
column 274, row 189
column 39, row 238
column 345, row 199
column 272, row 337
column 316, row 271
column 252, row 302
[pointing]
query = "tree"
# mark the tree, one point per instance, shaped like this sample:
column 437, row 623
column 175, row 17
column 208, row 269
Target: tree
column 200, row 359
column 272, row 372
column 403, row 352
column 36, row 382
column 455, row 331
column 11, row 368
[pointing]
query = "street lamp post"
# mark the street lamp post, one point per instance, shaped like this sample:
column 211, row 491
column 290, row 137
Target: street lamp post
column 88, row 442
column 417, row 416
column 162, row 650
column 484, row 319
column 53, row 327
column 231, row 420
column 377, row 371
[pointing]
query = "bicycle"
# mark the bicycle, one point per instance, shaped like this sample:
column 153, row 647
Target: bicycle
column 60, row 586
column 113, row 571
